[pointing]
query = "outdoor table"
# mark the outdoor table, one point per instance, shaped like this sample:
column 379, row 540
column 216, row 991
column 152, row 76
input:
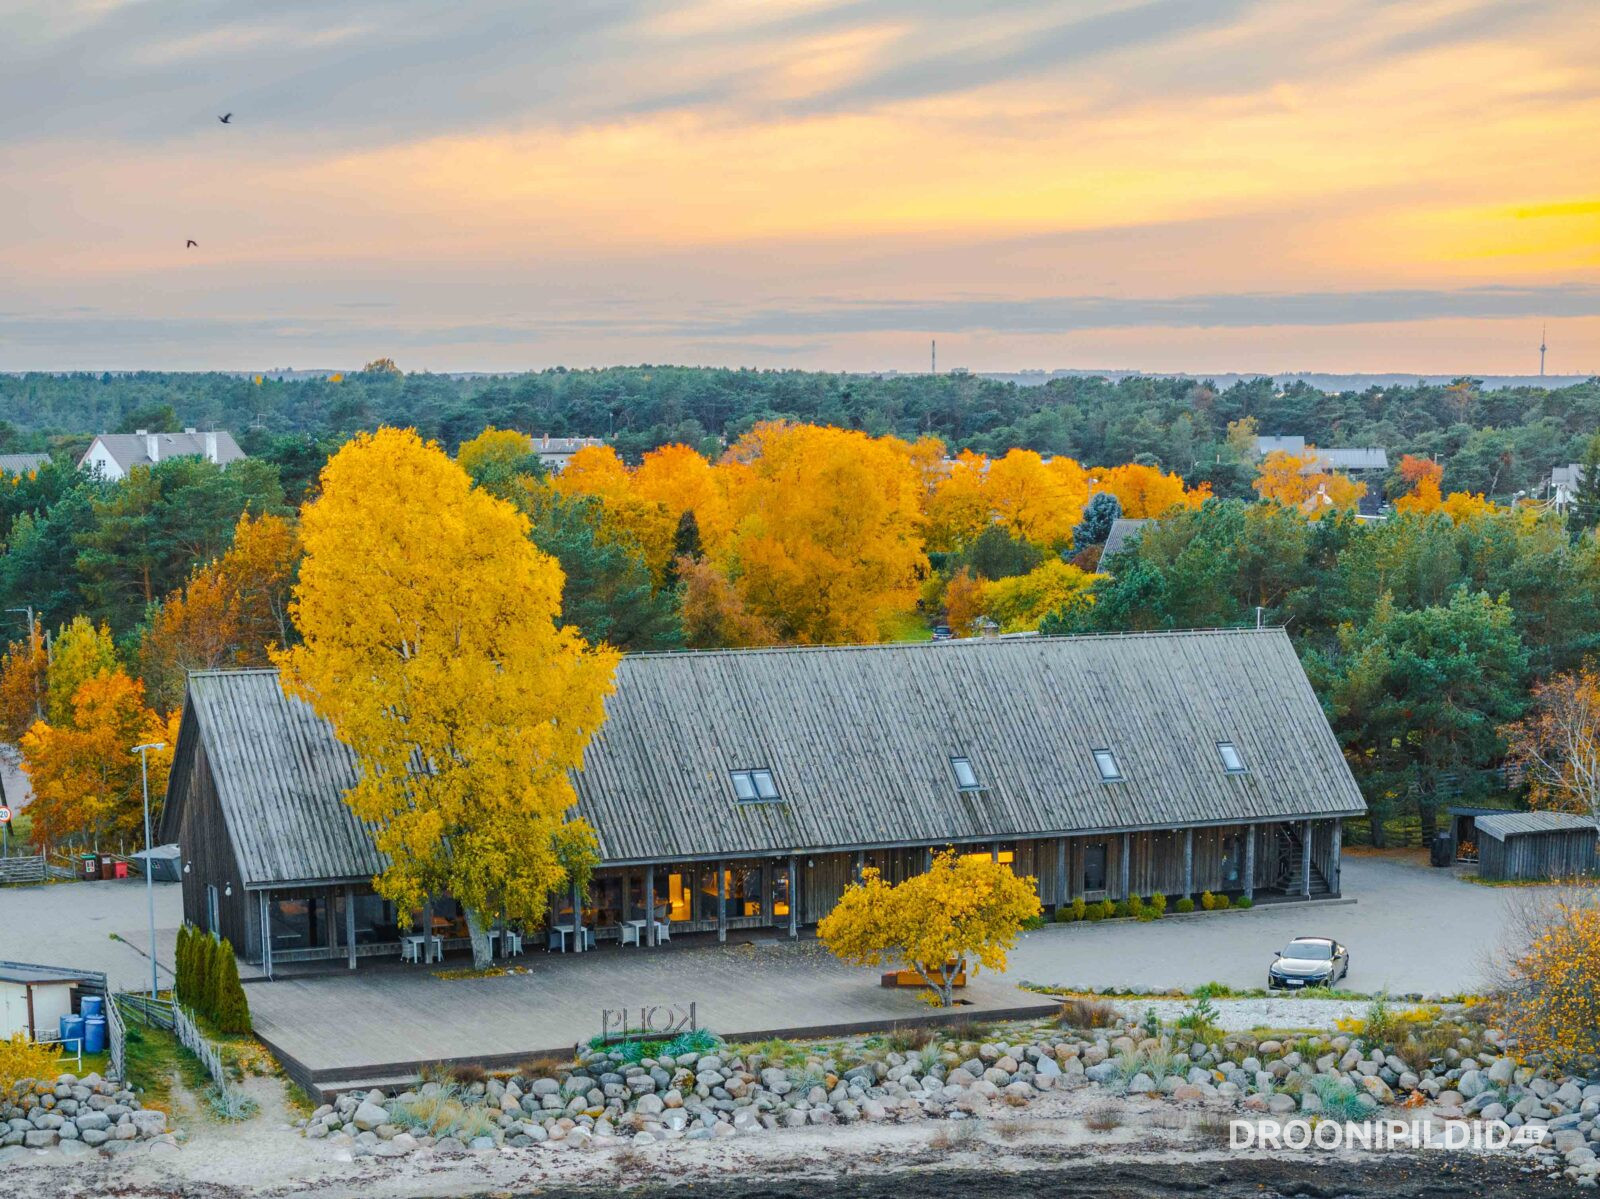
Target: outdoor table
column 563, row 930
column 413, row 947
column 638, row 930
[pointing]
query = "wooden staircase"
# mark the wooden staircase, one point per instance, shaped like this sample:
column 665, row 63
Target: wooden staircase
column 1291, row 863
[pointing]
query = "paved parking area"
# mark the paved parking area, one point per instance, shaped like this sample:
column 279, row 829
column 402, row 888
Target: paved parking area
column 1411, row 929
column 77, row 924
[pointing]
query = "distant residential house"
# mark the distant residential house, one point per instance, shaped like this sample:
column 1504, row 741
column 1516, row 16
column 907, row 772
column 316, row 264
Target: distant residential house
column 113, row 455
column 22, row 464
column 556, row 452
column 1350, row 460
column 746, row 789
column 1122, row 529
column 1563, row 483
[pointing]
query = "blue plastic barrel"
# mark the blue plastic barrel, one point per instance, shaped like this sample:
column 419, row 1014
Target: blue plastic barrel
column 71, row 1033
column 92, row 1006
column 94, row 1034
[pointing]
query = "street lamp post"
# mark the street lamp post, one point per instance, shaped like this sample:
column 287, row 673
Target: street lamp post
column 149, row 855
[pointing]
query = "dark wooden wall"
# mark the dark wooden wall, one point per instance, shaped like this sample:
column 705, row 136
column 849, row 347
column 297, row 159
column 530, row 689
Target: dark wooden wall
column 1558, row 854
column 208, row 853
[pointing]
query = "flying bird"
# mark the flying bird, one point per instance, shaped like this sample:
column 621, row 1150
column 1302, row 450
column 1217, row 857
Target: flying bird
column 191, row 244
column 226, row 118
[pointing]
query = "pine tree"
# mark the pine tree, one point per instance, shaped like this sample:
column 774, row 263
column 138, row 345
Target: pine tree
column 1102, row 509
column 1586, row 500
column 205, row 969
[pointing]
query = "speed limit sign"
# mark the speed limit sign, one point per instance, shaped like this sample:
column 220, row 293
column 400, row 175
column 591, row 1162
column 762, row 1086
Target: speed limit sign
column 5, row 815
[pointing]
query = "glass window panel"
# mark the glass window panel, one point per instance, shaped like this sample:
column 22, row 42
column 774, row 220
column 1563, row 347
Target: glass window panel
column 1232, row 760
column 743, row 786
column 1110, row 771
column 966, row 776
column 766, row 785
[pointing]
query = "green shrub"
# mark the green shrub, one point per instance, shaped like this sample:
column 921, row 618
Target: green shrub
column 1339, row 1097
column 1208, row 901
column 1213, row 990
column 1107, row 909
column 1120, row 908
column 1135, row 906
column 1223, row 902
column 1065, row 914
column 1185, row 904
column 1158, row 904
column 231, row 1010
column 1094, row 911
column 1079, row 908
column 1245, row 902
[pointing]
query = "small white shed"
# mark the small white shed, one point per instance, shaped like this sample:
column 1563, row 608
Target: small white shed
column 34, row 998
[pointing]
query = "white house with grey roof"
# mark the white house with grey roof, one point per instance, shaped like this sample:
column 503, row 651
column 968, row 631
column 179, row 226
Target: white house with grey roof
column 1351, row 460
column 113, row 456
column 745, row 789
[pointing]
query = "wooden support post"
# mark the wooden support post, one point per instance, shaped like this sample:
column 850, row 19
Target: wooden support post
column 650, row 905
column 1250, row 862
column 1305, row 861
column 994, row 852
column 722, row 901
column 927, row 858
column 350, row 925
column 427, row 932
column 794, row 896
column 577, row 919
column 1127, row 865
column 1188, row 863
column 266, row 934
column 1338, row 848
column 861, row 863
column 1061, row 871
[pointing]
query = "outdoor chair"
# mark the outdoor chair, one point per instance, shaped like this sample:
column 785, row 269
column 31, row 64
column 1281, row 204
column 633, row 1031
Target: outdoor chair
column 663, row 931
column 628, row 932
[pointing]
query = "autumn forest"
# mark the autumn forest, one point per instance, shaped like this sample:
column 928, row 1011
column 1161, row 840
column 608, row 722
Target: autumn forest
column 1448, row 642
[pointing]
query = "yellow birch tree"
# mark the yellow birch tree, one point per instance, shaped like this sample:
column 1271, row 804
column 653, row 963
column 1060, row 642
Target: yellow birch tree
column 963, row 913
column 430, row 645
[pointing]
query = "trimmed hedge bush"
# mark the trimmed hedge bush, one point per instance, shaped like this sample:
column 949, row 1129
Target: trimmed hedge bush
column 1245, row 902
column 1186, row 904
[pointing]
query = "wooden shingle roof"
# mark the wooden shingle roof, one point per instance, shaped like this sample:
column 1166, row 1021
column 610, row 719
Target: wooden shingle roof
column 1122, row 529
column 859, row 740
column 1515, row 824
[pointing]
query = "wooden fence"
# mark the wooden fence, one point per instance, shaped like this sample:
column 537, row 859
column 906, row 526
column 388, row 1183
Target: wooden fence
column 195, row 1042
column 117, row 1039
column 31, row 869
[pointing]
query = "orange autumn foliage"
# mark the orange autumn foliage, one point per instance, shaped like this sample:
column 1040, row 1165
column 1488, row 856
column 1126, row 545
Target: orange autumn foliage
column 231, row 613
column 824, row 543
column 24, row 682
column 86, row 782
column 1299, row 481
column 1146, row 491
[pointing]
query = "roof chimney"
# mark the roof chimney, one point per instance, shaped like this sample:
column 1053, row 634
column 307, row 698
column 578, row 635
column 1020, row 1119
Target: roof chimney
column 152, row 446
column 211, row 447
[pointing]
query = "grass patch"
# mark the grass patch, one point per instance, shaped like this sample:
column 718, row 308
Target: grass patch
column 231, row 1104
column 1085, row 1013
column 155, row 1059
column 1103, row 1118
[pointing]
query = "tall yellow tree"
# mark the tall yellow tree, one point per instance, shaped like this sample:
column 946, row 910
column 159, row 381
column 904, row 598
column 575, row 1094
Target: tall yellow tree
column 964, row 913
column 826, row 545
column 82, row 650
column 1557, row 744
column 629, row 518
column 1146, row 491
column 430, row 645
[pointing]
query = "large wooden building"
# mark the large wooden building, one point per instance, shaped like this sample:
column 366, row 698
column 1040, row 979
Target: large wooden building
column 744, row 789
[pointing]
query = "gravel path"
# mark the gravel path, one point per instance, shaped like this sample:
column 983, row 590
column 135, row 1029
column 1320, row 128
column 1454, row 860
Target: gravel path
column 1241, row 1015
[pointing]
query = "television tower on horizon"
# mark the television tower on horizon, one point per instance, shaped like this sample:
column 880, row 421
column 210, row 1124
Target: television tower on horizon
column 1542, row 348
column 933, row 357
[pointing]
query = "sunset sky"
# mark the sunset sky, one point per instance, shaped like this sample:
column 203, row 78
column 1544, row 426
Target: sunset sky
column 1348, row 185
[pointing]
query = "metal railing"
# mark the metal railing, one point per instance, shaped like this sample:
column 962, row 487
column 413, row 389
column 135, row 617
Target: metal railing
column 117, row 1039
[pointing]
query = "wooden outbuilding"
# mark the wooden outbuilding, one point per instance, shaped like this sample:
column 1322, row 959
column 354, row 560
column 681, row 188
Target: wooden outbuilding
column 745, row 789
column 1525, row 846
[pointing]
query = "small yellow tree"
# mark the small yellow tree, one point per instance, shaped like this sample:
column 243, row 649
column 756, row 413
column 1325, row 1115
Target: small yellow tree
column 963, row 912
column 1552, row 1007
column 23, row 1060
column 430, row 645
